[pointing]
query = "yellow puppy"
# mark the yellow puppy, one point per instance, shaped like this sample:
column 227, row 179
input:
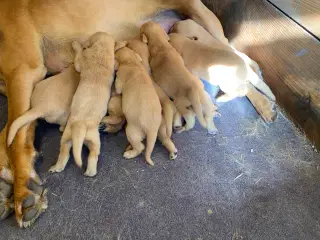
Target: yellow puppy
column 169, row 72
column 51, row 100
column 241, row 61
column 170, row 114
column 115, row 120
column 140, row 103
column 89, row 105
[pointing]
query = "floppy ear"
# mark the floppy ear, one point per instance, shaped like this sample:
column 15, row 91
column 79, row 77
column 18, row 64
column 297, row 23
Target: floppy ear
column 144, row 38
column 138, row 56
column 78, row 51
column 116, row 64
column 119, row 45
column 167, row 37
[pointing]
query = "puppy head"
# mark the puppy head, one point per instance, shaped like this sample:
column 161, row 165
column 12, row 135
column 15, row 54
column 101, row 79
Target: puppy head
column 126, row 55
column 99, row 38
column 152, row 30
column 141, row 49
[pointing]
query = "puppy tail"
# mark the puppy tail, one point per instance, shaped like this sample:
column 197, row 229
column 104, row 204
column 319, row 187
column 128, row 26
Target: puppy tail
column 150, row 142
column 79, row 132
column 168, row 113
column 197, row 106
column 26, row 118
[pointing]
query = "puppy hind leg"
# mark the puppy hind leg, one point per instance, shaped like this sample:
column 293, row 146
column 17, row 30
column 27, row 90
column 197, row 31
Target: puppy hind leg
column 135, row 137
column 188, row 115
column 64, row 153
column 94, row 145
column 167, row 142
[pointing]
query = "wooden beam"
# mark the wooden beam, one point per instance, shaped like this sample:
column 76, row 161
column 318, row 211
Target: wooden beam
column 305, row 12
column 289, row 58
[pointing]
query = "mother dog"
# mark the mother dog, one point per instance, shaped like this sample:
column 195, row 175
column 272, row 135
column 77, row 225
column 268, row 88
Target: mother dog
column 35, row 38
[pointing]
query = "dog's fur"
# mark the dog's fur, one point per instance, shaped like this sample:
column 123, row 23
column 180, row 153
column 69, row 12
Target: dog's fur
column 170, row 115
column 169, row 72
column 51, row 100
column 140, row 103
column 89, row 105
column 115, row 120
column 221, row 64
column 45, row 44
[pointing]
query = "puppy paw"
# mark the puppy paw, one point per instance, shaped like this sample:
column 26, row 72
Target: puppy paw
column 173, row 155
column 90, row 172
column 179, row 129
column 56, row 168
column 130, row 154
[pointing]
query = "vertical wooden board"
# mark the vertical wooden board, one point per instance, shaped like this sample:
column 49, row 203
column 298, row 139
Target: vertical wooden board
column 305, row 12
column 289, row 58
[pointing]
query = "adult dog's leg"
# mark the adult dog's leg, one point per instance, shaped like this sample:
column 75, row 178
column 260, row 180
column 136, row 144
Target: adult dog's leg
column 21, row 64
column 196, row 10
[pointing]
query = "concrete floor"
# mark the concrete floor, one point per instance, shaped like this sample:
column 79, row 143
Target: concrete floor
column 251, row 181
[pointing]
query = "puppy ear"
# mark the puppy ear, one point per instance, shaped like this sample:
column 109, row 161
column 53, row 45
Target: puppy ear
column 138, row 56
column 78, row 51
column 167, row 37
column 119, row 45
column 144, row 38
column 116, row 64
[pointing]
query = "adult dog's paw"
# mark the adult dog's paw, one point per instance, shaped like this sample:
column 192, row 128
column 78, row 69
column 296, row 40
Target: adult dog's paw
column 6, row 199
column 30, row 208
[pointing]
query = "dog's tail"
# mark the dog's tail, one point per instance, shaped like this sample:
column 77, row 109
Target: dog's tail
column 168, row 113
column 197, row 106
column 79, row 132
column 150, row 142
column 26, row 118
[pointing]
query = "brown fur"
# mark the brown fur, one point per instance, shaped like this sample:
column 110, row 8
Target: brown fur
column 169, row 72
column 45, row 44
column 169, row 111
column 140, row 103
column 51, row 100
column 115, row 120
column 237, row 84
column 89, row 105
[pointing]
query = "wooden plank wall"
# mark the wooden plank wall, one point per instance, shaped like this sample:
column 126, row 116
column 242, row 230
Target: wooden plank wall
column 290, row 60
column 305, row 12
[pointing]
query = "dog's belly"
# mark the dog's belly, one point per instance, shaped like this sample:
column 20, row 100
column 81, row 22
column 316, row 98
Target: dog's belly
column 64, row 21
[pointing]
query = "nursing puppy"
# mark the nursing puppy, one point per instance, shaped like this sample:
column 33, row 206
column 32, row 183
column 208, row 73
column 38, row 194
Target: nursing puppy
column 51, row 100
column 194, row 31
column 170, row 115
column 115, row 120
column 140, row 103
column 89, row 105
column 222, row 67
column 169, row 72
column 259, row 93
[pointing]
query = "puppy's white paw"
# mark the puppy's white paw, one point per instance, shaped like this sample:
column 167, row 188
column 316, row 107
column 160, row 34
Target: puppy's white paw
column 56, row 169
column 173, row 155
column 130, row 154
column 90, row 172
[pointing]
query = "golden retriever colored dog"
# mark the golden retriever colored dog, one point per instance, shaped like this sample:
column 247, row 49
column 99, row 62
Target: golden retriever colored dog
column 169, row 113
column 140, row 103
column 235, row 78
column 46, row 46
column 89, row 105
column 169, row 72
column 51, row 100
column 115, row 120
